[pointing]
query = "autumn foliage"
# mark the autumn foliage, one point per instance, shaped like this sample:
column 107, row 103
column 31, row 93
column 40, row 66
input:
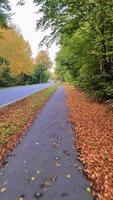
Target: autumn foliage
column 43, row 59
column 93, row 123
column 17, row 67
column 16, row 118
column 16, row 50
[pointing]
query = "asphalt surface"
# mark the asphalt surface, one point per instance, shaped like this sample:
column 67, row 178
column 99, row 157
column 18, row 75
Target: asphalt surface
column 12, row 94
column 44, row 165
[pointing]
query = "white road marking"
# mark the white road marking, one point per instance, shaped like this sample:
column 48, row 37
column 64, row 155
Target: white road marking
column 14, row 101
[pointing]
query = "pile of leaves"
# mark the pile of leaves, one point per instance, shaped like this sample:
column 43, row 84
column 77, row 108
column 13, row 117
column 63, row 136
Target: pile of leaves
column 93, row 123
column 16, row 118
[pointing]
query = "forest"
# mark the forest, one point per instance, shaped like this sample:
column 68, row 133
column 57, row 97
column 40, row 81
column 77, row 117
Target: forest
column 17, row 67
column 83, row 29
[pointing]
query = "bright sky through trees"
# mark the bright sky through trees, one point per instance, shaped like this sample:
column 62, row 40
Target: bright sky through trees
column 25, row 18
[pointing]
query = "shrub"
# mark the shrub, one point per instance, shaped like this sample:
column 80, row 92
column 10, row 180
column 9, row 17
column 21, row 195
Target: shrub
column 5, row 76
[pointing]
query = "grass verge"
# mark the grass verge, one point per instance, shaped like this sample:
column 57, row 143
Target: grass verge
column 16, row 118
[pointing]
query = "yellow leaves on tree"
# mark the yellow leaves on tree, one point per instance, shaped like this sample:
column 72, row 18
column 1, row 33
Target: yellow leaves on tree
column 16, row 50
column 43, row 59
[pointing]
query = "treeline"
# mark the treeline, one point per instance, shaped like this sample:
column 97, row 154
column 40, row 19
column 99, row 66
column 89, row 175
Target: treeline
column 85, row 33
column 17, row 67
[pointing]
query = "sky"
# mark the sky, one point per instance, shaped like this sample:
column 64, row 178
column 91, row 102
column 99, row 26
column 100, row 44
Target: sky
column 25, row 18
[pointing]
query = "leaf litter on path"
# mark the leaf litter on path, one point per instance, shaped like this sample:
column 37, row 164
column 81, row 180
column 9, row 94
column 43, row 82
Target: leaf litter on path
column 16, row 118
column 93, row 123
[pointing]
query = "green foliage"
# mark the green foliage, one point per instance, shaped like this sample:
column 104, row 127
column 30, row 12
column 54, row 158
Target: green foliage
column 98, row 86
column 4, row 13
column 4, row 61
column 42, row 65
column 23, row 79
column 40, row 74
column 84, row 30
column 5, row 76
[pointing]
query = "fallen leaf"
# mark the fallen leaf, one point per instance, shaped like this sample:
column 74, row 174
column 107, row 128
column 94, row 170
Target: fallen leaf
column 33, row 178
column 68, row 176
column 58, row 164
column 3, row 189
column 22, row 197
column 38, row 172
column 57, row 158
column 6, row 182
column 93, row 126
column 54, row 178
column 45, row 185
column 38, row 195
column 88, row 189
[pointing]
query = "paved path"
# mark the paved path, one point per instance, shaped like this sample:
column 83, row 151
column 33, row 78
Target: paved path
column 12, row 94
column 45, row 166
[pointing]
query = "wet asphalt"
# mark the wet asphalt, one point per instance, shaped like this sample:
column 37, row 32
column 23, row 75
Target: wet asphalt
column 44, row 165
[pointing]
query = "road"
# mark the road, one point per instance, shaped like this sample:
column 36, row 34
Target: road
column 44, row 166
column 12, row 94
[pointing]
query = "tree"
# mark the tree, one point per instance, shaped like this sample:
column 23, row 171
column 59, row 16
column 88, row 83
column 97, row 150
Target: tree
column 12, row 45
column 43, row 59
column 21, row 2
column 17, row 51
column 75, row 59
column 5, row 75
column 68, row 16
column 42, row 66
column 4, row 13
column 84, row 30
column 40, row 75
column 24, row 79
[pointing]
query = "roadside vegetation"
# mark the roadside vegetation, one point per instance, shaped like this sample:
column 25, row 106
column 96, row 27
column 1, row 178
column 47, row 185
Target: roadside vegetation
column 93, row 124
column 16, row 118
column 17, row 67
column 83, row 30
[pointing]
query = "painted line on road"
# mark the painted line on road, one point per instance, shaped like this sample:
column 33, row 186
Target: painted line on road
column 14, row 101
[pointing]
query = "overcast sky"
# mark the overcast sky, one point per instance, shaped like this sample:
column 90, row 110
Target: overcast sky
column 25, row 18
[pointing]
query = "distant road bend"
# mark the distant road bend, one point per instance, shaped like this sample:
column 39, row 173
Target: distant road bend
column 13, row 94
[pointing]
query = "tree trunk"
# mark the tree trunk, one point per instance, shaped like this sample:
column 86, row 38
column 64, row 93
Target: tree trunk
column 106, row 61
